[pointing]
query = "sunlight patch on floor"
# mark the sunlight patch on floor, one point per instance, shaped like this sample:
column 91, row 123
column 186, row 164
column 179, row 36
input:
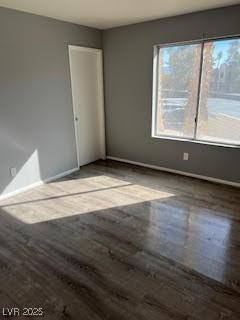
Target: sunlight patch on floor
column 79, row 196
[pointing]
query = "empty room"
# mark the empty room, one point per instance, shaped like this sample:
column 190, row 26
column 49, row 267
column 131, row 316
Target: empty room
column 120, row 159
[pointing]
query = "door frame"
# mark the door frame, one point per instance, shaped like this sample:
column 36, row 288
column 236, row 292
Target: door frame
column 100, row 81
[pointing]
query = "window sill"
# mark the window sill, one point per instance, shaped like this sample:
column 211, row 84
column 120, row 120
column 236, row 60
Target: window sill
column 216, row 144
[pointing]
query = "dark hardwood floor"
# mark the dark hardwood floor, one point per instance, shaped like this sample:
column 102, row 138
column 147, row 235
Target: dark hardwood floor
column 116, row 241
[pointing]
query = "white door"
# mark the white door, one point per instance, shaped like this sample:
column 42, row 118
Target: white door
column 88, row 107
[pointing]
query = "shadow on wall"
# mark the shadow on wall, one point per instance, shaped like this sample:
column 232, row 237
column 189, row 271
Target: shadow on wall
column 36, row 130
column 24, row 174
column 19, row 156
column 36, row 118
column 21, row 164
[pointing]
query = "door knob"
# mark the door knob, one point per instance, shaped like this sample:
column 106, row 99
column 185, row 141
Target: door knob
column 76, row 118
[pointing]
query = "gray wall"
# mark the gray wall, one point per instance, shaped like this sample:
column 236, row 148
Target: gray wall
column 128, row 53
column 36, row 121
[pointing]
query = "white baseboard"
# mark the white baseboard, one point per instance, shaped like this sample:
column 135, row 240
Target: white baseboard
column 192, row 175
column 60, row 175
column 36, row 184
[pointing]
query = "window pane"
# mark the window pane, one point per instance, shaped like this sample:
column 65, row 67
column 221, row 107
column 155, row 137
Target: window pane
column 177, row 92
column 219, row 109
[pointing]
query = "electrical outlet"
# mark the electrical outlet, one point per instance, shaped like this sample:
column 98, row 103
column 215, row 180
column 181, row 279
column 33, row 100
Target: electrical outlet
column 185, row 156
column 13, row 172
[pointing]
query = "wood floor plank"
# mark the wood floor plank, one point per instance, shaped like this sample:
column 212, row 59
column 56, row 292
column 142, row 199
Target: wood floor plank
column 115, row 241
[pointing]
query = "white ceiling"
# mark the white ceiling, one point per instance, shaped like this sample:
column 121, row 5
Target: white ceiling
column 105, row 14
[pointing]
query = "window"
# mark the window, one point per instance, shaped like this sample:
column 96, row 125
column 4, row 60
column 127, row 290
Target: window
column 197, row 91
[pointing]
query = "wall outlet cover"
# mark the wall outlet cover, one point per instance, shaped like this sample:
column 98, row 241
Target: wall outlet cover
column 185, row 156
column 13, row 171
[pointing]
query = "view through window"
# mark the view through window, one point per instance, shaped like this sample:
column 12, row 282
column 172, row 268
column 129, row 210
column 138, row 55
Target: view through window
column 198, row 91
